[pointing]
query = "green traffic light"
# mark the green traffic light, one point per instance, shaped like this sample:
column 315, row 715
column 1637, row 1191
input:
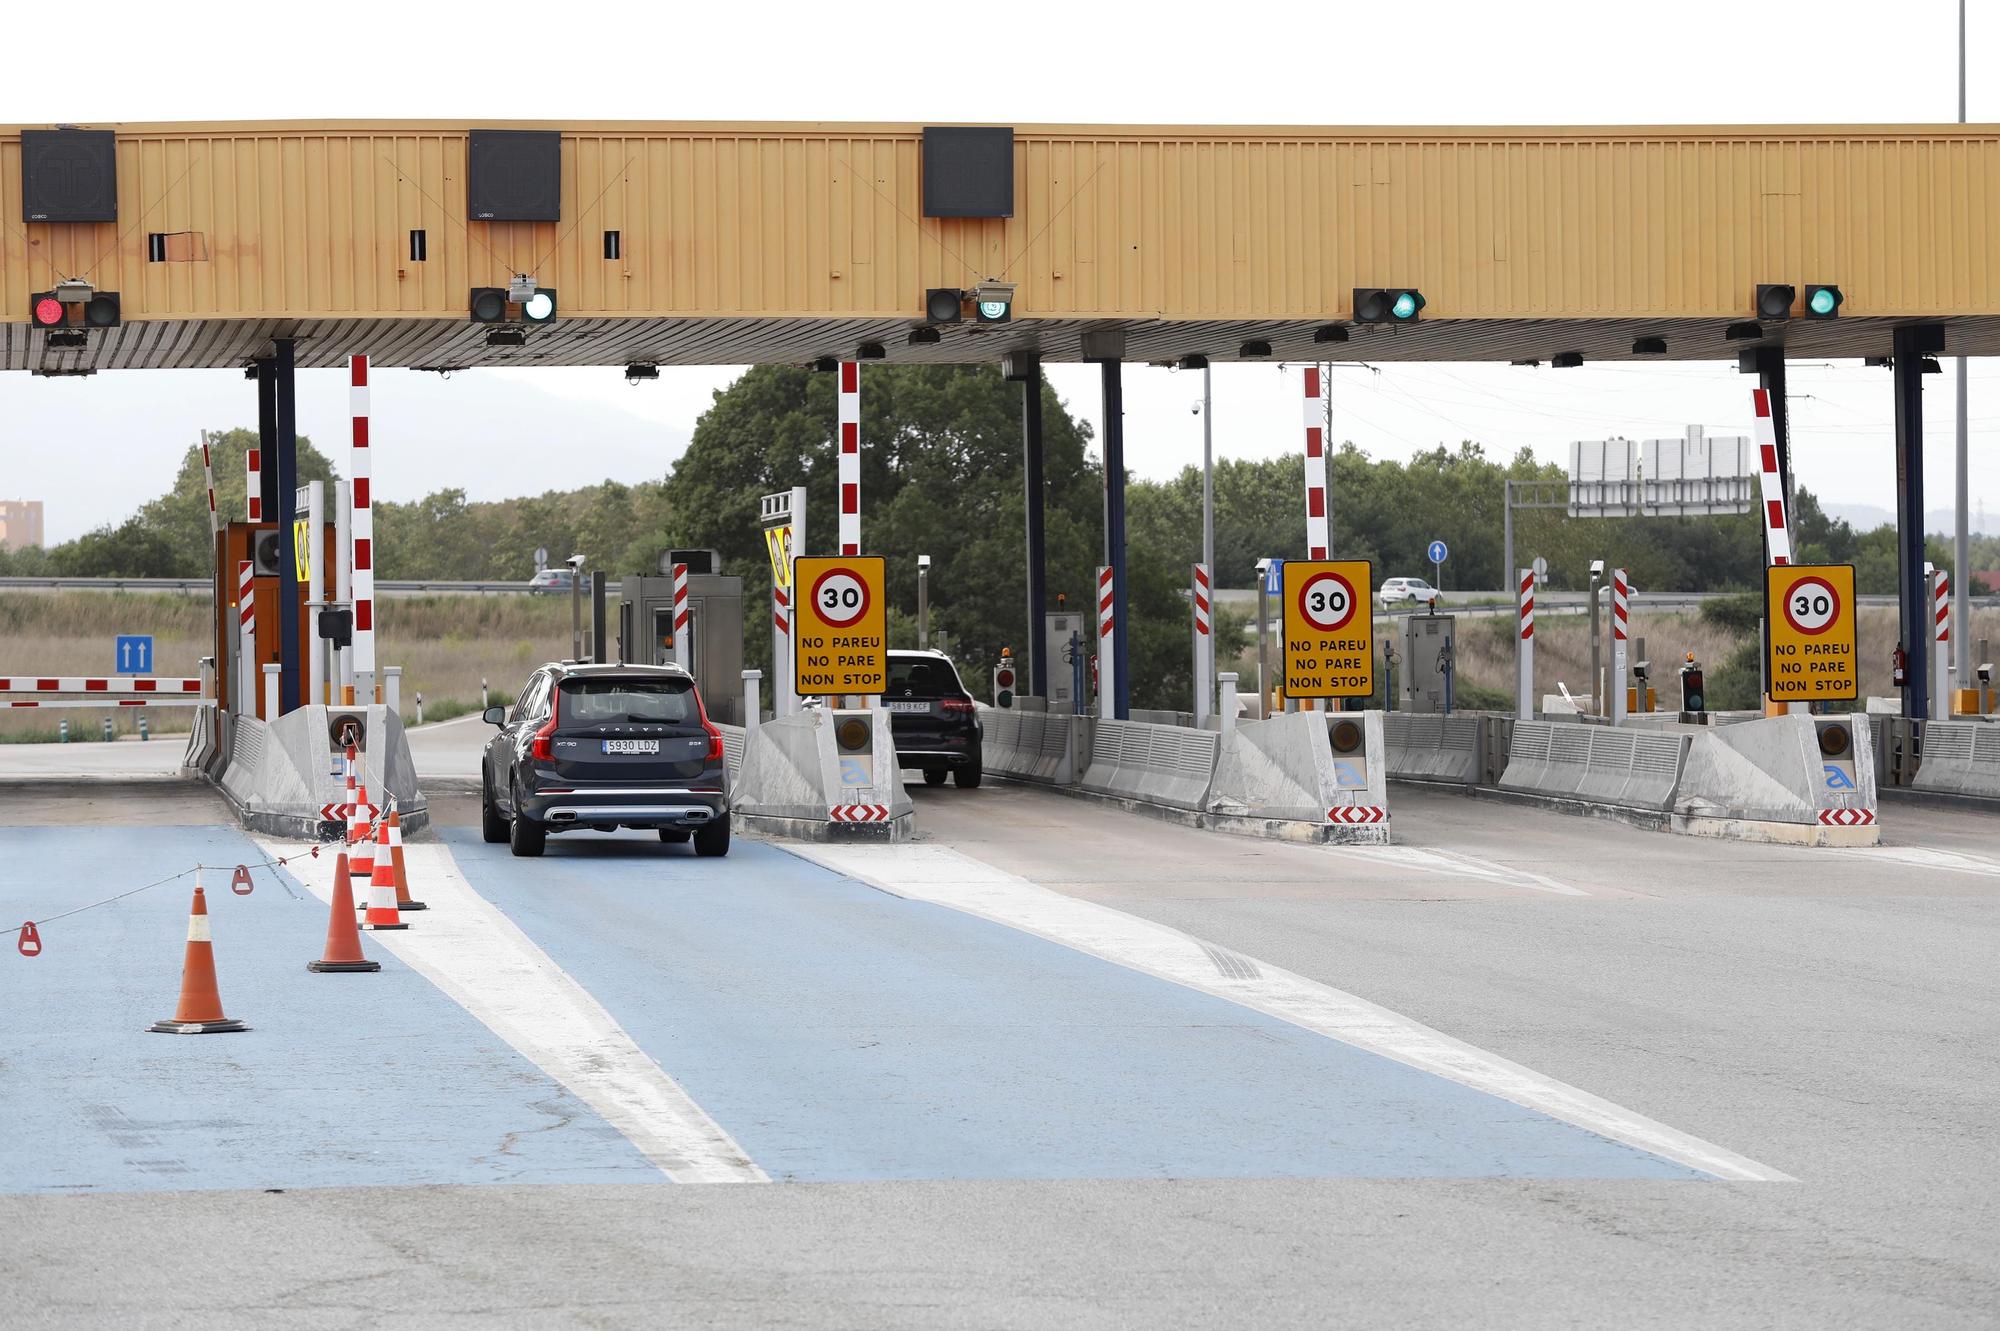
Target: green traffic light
column 993, row 310
column 1405, row 306
column 1822, row 301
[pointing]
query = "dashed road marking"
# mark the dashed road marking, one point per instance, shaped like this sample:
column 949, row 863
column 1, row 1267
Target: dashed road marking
column 472, row 951
column 944, row 877
column 1924, row 857
column 1461, row 865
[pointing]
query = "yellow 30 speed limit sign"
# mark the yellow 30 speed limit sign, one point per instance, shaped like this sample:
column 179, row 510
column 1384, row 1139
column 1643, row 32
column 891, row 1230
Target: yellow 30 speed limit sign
column 840, row 636
column 1329, row 628
column 1810, row 612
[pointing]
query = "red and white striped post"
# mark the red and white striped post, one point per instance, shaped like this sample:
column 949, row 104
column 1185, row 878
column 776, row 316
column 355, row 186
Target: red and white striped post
column 1524, row 659
column 1771, row 485
column 1202, row 597
column 361, row 531
column 208, row 476
column 850, row 457
column 246, row 638
column 1106, row 621
column 1941, row 645
column 1317, row 520
column 253, row 484
column 1621, row 629
column 681, row 656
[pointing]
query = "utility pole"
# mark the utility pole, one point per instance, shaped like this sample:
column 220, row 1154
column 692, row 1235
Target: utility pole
column 1208, row 463
column 1961, row 558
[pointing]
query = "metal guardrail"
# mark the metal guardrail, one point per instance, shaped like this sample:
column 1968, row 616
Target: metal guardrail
column 202, row 586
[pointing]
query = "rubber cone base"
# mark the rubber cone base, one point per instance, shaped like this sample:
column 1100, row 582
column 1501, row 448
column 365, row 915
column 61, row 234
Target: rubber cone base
column 195, row 1027
column 323, row 967
column 411, row 905
column 385, row 926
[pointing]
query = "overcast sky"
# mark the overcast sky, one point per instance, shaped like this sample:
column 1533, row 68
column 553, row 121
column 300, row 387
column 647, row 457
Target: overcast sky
column 1695, row 61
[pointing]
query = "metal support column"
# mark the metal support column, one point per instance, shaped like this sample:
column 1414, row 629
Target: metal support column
column 1912, row 344
column 1026, row 369
column 281, row 469
column 1114, row 536
column 267, row 432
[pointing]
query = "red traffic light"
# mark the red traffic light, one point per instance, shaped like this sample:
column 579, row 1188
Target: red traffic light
column 48, row 312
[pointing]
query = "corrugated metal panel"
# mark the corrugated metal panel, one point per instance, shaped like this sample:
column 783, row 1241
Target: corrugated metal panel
column 722, row 221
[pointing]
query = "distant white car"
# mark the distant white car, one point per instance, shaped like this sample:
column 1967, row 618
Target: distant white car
column 1407, row 591
column 551, row 580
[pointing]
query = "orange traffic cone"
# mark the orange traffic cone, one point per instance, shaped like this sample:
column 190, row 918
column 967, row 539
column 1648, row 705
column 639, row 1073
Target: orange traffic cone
column 361, row 835
column 382, row 912
column 343, row 940
column 403, row 901
column 200, row 1010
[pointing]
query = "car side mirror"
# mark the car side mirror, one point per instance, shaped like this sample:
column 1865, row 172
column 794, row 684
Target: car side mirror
column 494, row 716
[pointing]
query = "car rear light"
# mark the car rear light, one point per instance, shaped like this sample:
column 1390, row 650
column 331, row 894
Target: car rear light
column 957, row 705
column 714, row 740
column 540, row 748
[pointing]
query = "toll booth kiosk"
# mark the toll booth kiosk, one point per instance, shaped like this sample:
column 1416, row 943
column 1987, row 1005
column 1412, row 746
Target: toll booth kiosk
column 715, row 635
column 261, row 544
column 1427, row 667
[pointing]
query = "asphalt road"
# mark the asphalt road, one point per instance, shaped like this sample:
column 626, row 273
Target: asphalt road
column 1832, row 1014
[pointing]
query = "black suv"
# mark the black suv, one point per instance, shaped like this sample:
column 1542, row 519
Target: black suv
column 605, row 746
column 935, row 725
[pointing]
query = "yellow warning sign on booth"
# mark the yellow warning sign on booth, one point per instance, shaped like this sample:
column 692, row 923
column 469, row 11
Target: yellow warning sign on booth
column 1810, row 612
column 840, row 635
column 1329, row 628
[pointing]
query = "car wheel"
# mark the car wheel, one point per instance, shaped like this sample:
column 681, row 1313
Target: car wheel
column 525, row 837
column 711, row 840
column 492, row 827
column 674, row 836
column 934, row 776
column 968, row 776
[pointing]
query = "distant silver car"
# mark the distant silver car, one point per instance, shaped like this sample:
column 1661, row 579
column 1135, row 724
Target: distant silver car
column 1407, row 591
column 551, row 580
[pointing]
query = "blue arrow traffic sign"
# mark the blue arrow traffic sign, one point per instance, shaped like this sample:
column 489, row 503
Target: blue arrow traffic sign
column 1274, row 577
column 1439, row 552
column 135, row 653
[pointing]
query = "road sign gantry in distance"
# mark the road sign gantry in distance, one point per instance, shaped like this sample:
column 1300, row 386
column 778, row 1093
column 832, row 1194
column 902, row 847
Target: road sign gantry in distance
column 840, row 638
column 1329, row 623
column 1812, row 655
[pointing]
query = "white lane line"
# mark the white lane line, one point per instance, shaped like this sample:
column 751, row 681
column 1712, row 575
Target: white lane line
column 1924, row 857
column 468, row 947
column 944, row 877
column 1459, row 864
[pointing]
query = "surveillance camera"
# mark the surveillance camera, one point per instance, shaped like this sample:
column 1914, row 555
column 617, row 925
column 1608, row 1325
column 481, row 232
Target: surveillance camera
column 574, row 561
column 923, row 561
column 1195, row 409
column 1642, row 668
column 1596, row 568
column 1986, row 673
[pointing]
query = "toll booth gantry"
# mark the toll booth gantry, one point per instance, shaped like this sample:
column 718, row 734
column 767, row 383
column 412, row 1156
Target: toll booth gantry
column 438, row 245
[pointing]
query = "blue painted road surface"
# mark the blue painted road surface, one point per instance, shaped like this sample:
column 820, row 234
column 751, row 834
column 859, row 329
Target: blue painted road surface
column 836, row 1031
column 839, row 1032
column 341, row 1080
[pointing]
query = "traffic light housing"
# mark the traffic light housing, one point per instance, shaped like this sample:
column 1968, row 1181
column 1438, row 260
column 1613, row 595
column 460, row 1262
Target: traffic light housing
column 944, row 305
column 1774, row 301
column 1694, row 691
column 47, row 310
column 1003, row 680
column 495, row 305
column 1823, row 301
column 1388, row 305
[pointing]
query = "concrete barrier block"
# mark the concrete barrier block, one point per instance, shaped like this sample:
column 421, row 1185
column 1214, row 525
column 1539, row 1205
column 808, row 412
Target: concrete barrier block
column 280, row 774
column 794, row 777
column 1960, row 758
column 1774, row 770
column 1595, row 763
column 1430, row 746
column 1168, row 765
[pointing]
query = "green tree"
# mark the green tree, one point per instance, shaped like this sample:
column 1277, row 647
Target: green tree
column 171, row 532
column 940, row 475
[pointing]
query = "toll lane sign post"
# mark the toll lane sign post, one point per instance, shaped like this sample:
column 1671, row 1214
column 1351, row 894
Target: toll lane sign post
column 1810, row 611
column 840, row 638
column 1329, row 620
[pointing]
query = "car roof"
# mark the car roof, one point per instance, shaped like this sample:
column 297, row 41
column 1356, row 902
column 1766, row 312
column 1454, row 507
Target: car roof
column 594, row 669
